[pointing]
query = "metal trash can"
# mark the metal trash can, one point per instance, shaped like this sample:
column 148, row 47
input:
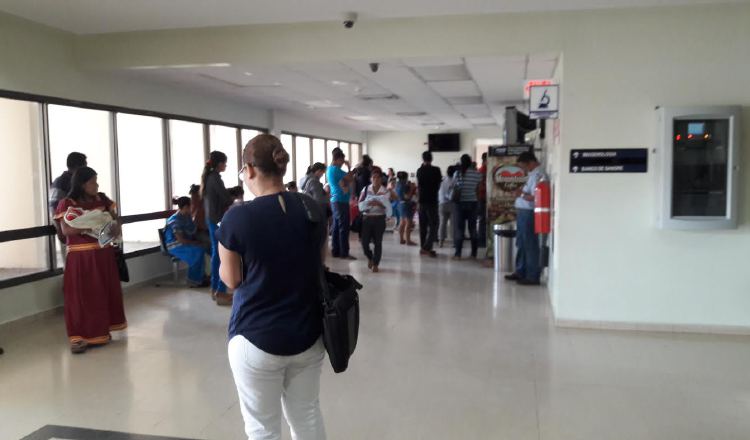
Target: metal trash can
column 503, row 241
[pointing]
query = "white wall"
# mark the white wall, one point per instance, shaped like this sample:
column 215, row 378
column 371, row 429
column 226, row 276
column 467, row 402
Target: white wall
column 402, row 151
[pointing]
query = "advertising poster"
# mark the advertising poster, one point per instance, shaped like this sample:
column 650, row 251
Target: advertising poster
column 503, row 178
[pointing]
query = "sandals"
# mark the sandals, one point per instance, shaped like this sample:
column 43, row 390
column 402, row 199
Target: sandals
column 79, row 347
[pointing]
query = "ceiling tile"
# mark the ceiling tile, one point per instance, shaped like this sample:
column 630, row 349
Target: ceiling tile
column 453, row 89
column 443, row 73
column 474, row 110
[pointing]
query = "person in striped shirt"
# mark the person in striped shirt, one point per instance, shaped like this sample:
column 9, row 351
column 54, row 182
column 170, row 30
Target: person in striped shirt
column 466, row 179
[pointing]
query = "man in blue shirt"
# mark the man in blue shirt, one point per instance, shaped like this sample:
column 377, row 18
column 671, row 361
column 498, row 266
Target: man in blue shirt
column 340, row 181
column 528, row 269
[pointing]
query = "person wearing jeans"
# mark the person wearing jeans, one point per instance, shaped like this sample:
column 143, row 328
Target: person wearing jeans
column 446, row 204
column 275, row 347
column 339, row 182
column 528, row 269
column 466, row 181
column 217, row 200
column 428, row 183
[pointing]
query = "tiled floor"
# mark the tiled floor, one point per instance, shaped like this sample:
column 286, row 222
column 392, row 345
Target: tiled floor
column 446, row 352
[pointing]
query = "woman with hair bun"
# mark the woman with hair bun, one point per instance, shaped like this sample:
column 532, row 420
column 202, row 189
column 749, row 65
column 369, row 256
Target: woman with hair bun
column 275, row 349
column 217, row 199
column 181, row 237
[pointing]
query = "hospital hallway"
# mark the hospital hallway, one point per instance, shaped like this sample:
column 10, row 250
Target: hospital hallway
column 446, row 351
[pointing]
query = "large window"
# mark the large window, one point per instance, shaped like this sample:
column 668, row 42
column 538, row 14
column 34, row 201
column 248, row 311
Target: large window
column 301, row 155
column 356, row 153
column 140, row 154
column 330, row 146
column 247, row 135
column 286, row 141
column 186, row 155
column 319, row 151
column 126, row 149
column 224, row 139
column 23, row 184
column 86, row 131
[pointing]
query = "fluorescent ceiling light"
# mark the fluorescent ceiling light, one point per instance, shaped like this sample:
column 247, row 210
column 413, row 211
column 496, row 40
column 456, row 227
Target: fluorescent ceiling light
column 180, row 66
column 361, row 118
column 338, row 83
column 248, row 74
column 322, row 104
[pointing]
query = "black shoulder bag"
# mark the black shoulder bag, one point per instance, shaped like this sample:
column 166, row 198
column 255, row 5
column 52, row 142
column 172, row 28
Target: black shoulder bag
column 340, row 302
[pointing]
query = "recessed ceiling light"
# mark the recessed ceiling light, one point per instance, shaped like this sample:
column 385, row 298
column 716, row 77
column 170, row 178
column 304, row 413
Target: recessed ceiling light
column 277, row 84
column 248, row 74
column 360, row 118
column 322, row 104
column 338, row 83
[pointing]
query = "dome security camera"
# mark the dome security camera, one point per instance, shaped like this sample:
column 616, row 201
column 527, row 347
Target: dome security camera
column 349, row 19
column 374, row 67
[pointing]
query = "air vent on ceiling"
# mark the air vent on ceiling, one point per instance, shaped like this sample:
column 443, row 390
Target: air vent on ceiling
column 379, row 97
column 411, row 114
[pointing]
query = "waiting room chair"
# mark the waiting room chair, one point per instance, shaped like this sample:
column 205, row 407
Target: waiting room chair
column 175, row 262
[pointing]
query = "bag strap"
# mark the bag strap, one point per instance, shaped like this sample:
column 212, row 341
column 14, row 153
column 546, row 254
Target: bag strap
column 313, row 217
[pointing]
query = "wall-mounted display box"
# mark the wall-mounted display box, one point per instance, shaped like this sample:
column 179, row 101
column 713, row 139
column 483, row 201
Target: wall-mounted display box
column 699, row 167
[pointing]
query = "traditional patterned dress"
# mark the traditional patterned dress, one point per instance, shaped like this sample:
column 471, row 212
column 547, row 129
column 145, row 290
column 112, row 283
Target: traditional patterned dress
column 93, row 295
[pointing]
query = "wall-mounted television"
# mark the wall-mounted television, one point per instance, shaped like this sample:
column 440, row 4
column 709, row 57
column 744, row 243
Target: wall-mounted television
column 439, row 142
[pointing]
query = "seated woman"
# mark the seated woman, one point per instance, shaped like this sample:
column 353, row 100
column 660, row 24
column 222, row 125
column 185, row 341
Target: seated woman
column 181, row 238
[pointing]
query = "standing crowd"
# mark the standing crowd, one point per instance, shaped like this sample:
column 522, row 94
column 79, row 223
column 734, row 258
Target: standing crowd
column 265, row 258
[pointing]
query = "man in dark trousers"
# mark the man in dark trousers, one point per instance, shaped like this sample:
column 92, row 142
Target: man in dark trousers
column 61, row 186
column 428, row 182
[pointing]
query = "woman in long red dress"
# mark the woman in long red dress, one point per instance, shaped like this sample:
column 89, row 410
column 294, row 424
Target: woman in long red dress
column 93, row 295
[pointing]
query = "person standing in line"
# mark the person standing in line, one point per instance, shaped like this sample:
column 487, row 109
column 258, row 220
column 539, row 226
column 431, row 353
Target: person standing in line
column 61, row 186
column 428, row 183
column 482, row 198
column 198, row 215
column 375, row 204
column 467, row 178
column 392, row 181
column 181, row 237
column 363, row 173
column 340, row 182
column 310, row 185
column 528, row 269
column 405, row 191
column 217, row 199
column 271, row 255
column 446, row 204
column 91, row 281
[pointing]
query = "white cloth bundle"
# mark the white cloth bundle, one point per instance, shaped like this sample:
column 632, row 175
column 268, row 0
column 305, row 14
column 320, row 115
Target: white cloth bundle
column 100, row 222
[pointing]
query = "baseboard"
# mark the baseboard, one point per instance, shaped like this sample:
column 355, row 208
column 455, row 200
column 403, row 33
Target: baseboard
column 654, row 327
column 10, row 326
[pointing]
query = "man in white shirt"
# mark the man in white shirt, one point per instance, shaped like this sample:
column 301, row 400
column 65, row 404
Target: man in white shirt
column 446, row 204
column 528, row 268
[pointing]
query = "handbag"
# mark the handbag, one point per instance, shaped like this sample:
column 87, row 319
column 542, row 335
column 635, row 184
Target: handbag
column 456, row 190
column 356, row 225
column 122, row 266
column 340, row 303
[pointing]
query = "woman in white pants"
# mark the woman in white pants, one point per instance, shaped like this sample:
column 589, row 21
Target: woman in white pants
column 270, row 254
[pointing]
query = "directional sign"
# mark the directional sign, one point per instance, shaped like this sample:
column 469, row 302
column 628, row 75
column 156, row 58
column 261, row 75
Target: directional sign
column 544, row 101
column 611, row 160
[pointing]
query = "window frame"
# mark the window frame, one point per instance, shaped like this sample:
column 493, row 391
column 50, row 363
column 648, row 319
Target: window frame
column 48, row 230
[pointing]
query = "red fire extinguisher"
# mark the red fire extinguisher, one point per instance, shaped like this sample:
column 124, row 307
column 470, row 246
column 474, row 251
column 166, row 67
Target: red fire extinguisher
column 542, row 208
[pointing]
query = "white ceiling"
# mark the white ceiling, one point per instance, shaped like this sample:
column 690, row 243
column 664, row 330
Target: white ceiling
column 102, row 16
column 405, row 94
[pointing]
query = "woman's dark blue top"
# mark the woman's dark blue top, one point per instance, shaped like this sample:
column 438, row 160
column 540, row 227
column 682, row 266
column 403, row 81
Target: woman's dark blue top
column 277, row 306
